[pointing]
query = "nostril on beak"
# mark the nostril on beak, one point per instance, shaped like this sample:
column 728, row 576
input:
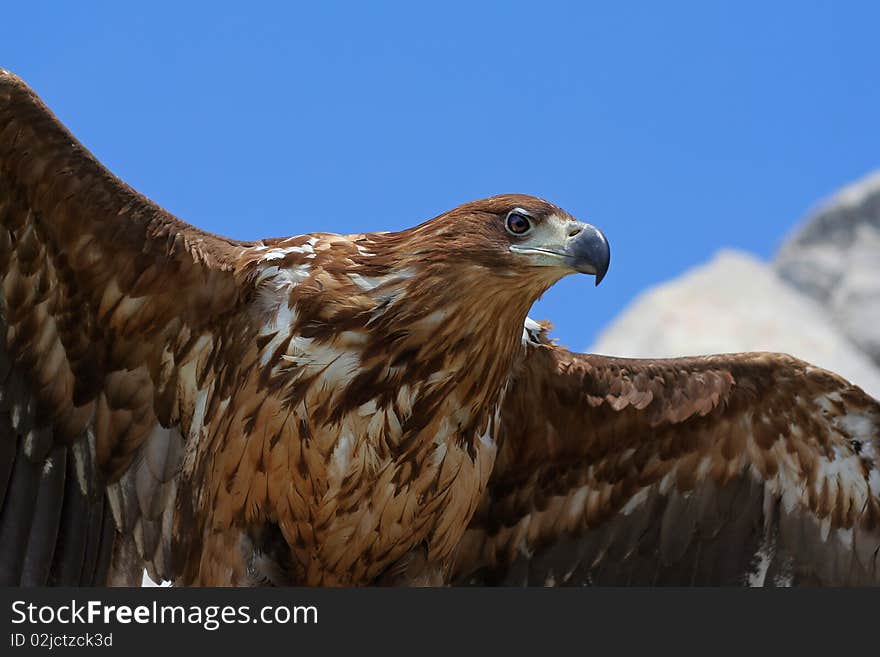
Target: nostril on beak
column 574, row 230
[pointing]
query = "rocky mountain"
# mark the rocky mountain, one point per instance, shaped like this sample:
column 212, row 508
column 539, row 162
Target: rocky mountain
column 819, row 300
column 834, row 257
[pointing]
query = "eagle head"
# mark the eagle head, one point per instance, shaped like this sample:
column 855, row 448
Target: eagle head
column 515, row 236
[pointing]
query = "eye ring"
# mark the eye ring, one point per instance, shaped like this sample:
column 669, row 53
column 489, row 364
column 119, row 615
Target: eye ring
column 517, row 223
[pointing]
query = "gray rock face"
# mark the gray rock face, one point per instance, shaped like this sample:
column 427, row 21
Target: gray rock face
column 735, row 303
column 834, row 257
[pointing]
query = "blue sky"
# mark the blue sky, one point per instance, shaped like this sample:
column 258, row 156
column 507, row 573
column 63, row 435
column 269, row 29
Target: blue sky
column 676, row 127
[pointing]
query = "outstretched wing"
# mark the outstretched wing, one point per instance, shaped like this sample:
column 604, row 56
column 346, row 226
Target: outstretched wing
column 734, row 469
column 108, row 318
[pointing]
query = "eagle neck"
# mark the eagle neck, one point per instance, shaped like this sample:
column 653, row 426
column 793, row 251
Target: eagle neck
column 454, row 333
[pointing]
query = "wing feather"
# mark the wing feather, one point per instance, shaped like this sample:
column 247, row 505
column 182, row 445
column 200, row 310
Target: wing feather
column 104, row 299
column 731, row 469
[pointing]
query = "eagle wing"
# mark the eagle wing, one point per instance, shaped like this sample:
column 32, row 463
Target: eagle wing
column 108, row 314
column 752, row 468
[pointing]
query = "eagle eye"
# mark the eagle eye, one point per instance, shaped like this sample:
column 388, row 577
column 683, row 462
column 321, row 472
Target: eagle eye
column 517, row 223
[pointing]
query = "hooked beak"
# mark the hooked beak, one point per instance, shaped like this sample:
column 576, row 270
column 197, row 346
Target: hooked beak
column 587, row 251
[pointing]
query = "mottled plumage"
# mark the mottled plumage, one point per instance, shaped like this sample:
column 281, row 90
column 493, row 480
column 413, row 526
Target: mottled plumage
column 369, row 409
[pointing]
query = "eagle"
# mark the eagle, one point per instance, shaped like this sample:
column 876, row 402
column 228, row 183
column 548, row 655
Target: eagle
column 377, row 409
